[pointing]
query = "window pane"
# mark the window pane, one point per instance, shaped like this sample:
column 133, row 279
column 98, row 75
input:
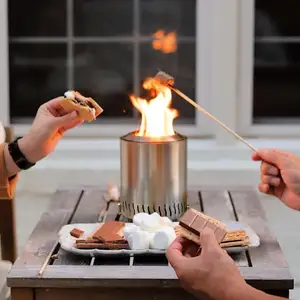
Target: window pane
column 170, row 15
column 37, row 18
column 37, row 74
column 277, row 80
column 276, row 62
column 105, row 72
column 103, row 18
column 277, row 18
column 181, row 65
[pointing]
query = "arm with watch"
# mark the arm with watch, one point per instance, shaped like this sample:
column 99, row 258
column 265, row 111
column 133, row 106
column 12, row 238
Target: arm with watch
column 12, row 160
column 48, row 127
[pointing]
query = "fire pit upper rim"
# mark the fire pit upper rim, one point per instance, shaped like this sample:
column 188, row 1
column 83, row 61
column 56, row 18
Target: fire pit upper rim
column 132, row 137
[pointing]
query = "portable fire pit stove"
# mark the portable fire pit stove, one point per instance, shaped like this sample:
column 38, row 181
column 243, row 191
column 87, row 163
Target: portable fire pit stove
column 153, row 159
column 153, row 175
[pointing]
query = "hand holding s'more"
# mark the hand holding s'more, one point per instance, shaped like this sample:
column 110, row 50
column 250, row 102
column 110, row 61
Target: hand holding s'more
column 193, row 222
column 86, row 107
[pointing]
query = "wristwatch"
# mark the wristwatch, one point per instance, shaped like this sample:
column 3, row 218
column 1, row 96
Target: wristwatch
column 18, row 157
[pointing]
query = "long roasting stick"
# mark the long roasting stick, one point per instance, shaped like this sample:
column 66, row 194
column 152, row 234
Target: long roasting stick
column 48, row 258
column 211, row 116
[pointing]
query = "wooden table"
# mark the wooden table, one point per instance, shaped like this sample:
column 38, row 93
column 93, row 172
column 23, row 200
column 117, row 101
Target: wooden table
column 78, row 278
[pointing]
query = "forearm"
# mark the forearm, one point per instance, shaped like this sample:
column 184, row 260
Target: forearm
column 249, row 293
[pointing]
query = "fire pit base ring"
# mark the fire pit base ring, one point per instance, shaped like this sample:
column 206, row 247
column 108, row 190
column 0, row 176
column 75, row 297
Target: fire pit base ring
column 173, row 212
column 153, row 175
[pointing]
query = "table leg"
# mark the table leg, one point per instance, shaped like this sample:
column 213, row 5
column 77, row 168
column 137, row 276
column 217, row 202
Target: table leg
column 8, row 230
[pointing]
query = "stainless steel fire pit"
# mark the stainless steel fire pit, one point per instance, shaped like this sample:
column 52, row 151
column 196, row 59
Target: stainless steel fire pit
column 153, row 175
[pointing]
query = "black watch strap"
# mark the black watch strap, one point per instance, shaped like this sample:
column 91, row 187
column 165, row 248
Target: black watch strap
column 18, row 157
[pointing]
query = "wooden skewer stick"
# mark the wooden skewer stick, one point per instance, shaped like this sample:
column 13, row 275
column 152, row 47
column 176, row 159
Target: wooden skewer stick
column 49, row 256
column 211, row 116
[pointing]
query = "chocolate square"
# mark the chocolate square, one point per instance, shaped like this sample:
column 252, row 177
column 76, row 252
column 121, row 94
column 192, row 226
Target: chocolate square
column 195, row 221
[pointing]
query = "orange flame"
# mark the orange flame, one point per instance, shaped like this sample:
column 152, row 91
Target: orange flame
column 157, row 116
column 166, row 43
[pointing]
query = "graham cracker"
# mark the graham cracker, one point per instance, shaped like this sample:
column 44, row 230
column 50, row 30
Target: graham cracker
column 233, row 238
column 235, row 235
column 109, row 232
column 235, row 244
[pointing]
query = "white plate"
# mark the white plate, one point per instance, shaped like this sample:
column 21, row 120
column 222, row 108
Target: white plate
column 67, row 241
column 254, row 240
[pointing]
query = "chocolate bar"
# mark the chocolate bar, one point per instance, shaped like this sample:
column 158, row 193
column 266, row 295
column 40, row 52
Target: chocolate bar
column 110, row 232
column 193, row 222
column 76, row 233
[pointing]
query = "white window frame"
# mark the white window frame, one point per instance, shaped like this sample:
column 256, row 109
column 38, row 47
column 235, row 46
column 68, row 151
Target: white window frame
column 4, row 63
column 245, row 85
column 217, row 45
column 201, row 128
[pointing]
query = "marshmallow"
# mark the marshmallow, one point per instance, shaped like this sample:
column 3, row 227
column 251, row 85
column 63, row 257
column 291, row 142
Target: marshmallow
column 70, row 95
column 139, row 240
column 155, row 216
column 163, row 238
column 175, row 224
column 128, row 229
column 93, row 110
column 165, row 221
column 150, row 224
column 138, row 218
column 113, row 192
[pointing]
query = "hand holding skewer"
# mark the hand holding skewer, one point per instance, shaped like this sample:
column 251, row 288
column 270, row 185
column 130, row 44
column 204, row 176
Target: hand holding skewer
column 168, row 80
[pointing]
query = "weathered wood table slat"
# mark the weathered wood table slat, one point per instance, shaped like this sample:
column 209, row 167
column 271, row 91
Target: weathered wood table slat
column 68, row 276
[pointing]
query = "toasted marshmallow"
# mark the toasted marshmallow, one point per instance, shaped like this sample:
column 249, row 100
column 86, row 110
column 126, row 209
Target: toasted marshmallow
column 70, row 95
column 128, row 229
column 138, row 218
column 163, row 238
column 113, row 192
column 93, row 110
column 139, row 240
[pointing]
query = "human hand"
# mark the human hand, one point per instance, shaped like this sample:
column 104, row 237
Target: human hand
column 212, row 273
column 280, row 175
column 48, row 127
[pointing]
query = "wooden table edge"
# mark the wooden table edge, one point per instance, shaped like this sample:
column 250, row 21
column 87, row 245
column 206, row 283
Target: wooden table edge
column 122, row 276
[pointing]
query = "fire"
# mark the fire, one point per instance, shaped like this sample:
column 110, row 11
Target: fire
column 157, row 116
column 166, row 43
